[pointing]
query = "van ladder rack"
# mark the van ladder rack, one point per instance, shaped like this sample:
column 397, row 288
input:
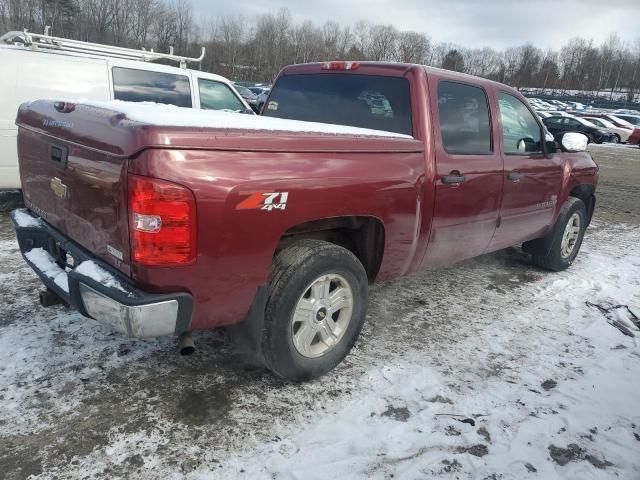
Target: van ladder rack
column 45, row 41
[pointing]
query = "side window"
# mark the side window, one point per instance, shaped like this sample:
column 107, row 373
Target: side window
column 132, row 85
column 464, row 119
column 217, row 96
column 520, row 131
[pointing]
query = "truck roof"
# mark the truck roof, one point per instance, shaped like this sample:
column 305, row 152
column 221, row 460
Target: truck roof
column 388, row 69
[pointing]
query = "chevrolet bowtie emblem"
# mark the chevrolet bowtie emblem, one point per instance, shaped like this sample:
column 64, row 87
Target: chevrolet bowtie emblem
column 59, row 188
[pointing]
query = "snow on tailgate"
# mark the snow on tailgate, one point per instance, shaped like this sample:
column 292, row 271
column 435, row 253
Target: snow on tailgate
column 170, row 115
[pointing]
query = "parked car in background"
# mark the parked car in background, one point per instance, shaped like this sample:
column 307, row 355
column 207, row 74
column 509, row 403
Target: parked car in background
column 539, row 104
column 249, row 97
column 262, row 93
column 277, row 229
column 621, row 134
column 576, row 105
column 40, row 66
column 632, row 119
column 559, row 125
column 617, row 121
column 559, row 104
column 627, row 111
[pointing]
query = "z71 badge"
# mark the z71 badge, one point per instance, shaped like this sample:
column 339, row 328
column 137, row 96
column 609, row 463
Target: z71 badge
column 264, row 201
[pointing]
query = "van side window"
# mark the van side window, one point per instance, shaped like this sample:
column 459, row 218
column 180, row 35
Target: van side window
column 521, row 133
column 464, row 119
column 217, row 96
column 132, row 85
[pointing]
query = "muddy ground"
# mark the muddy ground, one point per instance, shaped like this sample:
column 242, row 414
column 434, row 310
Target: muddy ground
column 72, row 390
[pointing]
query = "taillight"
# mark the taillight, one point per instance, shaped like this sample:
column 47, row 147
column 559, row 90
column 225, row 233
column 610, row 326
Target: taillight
column 162, row 222
column 340, row 65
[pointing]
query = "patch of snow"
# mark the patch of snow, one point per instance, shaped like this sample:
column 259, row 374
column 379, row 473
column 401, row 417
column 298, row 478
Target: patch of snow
column 169, row 115
column 44, row 262
column 24, row 219
column 90, row 269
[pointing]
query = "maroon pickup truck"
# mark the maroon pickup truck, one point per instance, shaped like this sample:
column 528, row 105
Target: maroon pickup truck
column 159, row 221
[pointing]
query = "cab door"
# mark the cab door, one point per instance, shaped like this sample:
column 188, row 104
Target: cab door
column 531, row 181
column 469, row 171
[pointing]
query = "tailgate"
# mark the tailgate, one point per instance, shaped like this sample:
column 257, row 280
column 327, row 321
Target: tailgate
column 76, row 185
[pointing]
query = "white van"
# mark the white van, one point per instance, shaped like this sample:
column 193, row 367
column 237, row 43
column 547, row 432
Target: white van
column 39, row 66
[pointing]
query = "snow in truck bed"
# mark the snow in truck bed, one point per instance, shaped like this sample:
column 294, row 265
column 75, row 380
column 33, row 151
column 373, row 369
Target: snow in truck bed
column 169, row 115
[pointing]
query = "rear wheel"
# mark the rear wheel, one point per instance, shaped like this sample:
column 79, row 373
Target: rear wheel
column 315, row 310
column 565, row 238
column 616, row 138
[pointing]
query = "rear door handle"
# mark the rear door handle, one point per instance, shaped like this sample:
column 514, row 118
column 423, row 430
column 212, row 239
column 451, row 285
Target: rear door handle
column 455, row 177
column 515, row 176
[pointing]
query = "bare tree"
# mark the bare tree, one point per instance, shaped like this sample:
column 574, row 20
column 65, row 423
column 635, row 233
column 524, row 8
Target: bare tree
column 413, row 47
column 382, row 46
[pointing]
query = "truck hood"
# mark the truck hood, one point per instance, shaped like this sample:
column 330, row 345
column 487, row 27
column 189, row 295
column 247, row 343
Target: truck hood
column 123, row 129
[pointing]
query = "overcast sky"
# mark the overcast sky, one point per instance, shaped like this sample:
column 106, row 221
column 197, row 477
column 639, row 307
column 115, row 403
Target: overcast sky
column 471, row 23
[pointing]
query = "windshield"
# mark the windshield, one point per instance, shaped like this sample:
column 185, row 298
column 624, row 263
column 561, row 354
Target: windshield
column 366, row 101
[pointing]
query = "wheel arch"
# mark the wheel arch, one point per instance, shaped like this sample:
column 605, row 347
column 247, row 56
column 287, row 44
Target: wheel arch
column 364, row 236
column 586, row 193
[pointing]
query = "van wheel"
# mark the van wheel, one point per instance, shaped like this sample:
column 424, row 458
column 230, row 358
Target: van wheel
column 565, row 238
column 315, row 309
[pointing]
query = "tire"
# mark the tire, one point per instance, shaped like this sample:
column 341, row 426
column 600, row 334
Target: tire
column 616, row 138
column 302, row 277
column 560, row 255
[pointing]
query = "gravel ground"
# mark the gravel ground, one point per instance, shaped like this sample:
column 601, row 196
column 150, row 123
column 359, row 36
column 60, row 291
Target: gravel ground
column 77, row 401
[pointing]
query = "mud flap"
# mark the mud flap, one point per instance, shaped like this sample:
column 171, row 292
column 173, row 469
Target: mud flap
column 246, row 336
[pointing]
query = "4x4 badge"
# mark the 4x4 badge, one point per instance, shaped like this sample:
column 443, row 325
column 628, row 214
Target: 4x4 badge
column 264, row 201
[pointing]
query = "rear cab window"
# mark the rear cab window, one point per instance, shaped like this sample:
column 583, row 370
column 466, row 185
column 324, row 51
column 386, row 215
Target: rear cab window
column 367, row 101
column 464, row 118
column 133, row 85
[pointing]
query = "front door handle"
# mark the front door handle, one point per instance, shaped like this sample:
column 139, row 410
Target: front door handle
column 453, row 178
column 515, row 176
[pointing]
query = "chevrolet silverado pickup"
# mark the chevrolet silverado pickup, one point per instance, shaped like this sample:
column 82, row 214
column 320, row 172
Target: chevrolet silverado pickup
column 158, row 220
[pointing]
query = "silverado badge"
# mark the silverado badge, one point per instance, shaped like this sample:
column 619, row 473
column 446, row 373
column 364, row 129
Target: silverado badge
column 59, row 188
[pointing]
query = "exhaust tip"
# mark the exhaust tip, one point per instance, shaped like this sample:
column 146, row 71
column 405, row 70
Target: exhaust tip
column 185, row 344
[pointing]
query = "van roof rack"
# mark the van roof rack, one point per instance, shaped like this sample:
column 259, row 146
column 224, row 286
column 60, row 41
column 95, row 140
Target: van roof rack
column 45, row 41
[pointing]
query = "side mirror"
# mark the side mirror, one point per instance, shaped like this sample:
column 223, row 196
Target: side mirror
column 573, row 142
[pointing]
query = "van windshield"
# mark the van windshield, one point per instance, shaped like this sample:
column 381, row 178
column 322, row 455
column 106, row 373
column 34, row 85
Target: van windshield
column 366, row 101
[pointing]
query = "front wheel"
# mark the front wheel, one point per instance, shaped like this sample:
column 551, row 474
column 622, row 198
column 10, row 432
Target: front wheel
column 565, row 238
column 315, row 310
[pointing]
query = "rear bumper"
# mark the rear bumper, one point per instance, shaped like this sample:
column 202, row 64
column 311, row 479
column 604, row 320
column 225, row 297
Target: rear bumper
column 94, row 288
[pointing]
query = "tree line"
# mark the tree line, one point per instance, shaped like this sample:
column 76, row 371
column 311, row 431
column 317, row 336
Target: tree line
column 256, row 48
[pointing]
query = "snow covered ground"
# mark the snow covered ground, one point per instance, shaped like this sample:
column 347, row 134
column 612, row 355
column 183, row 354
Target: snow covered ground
column 490, row 369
